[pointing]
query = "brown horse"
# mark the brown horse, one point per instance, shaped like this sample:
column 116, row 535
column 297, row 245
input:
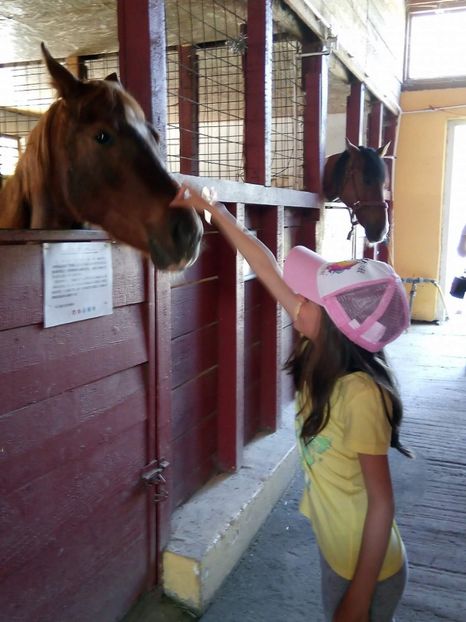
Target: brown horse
column 357, row 177
column 93, row 158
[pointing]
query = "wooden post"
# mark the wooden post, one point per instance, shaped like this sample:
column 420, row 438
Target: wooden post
column 315, row 84
column 231, row 354
column 141, row 35
column 354, row 128
column 258, row 95
column 272, row 233
column 374, row 139
column 355, row 112
column 188, row 110
column 258, row 165
column 389, row 134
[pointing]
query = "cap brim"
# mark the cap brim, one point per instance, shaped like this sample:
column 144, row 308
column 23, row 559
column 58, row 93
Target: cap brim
column 300, row 272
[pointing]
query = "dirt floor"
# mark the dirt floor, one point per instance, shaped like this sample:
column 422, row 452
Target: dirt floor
column 277, row 579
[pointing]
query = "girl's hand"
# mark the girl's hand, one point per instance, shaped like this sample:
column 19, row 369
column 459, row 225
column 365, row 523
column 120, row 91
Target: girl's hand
column 202, row 203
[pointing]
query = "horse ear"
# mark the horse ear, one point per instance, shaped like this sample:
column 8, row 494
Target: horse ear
column 112, row 77
column 382, row 151
column 350, row 147
column 66, row 84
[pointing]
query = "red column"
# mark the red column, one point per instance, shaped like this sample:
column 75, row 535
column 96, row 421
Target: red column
column 389, row 134
column 257, row 149
column 315, row 84
column 258, row 95
column 141, row 35
column 374, row 139
column 355, row 112
column 231, row 354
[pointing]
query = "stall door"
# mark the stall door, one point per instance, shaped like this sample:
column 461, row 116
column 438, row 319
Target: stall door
column 76, row 522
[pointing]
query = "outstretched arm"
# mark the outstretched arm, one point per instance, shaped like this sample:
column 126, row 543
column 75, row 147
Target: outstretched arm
column 259, row 257
column 355, row 604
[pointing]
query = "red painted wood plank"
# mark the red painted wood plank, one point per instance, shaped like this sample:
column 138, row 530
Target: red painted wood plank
column 59, row 563
column 258, row 95
column 163, row 383
column 194, row 306
column 39, row 363
column 355, row 112
column 272, row 236
column 194, row 459
column 315, row 85
column 288, row 338
column 231, row 354
column 194, row 353
column 375, row 124
column 390, row 134
column 194, row 401
column 251, row 411
column 71, row 503
column 21, row 282
column 206, row 267
column 374, row 139
column 48, row 435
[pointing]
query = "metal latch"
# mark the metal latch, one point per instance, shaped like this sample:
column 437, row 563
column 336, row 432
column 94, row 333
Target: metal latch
column 152, row 475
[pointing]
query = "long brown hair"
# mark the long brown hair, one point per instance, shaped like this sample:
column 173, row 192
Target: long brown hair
column 315, row 367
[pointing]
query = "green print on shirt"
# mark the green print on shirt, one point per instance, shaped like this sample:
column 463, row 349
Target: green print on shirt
column 318, row 445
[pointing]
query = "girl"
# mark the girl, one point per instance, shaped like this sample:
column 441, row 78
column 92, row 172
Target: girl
column 349, row 412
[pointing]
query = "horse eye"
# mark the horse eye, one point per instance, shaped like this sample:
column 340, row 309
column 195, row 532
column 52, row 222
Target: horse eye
column 103, row 138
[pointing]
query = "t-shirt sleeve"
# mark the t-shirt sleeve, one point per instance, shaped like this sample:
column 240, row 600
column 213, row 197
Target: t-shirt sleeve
column 366, row 427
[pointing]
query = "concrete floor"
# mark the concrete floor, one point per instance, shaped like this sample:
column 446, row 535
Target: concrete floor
column 278, row 578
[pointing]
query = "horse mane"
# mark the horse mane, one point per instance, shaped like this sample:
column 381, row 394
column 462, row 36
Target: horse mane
column 36, row 178
column 373, row 172
column 30, row 180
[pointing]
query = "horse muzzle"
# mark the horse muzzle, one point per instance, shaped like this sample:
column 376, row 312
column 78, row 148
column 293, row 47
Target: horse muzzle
column 180, row 248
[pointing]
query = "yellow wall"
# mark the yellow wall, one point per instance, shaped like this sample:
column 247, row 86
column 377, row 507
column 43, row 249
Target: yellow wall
column 419, row 187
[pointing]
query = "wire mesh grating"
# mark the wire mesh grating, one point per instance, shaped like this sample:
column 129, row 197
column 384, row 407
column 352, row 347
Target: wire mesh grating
column 206, row 45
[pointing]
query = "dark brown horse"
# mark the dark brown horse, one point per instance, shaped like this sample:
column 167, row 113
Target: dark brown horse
column 357, row 177
column 93, row 158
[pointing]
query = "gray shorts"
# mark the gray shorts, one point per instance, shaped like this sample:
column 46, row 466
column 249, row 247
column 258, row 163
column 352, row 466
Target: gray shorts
column 386, row 598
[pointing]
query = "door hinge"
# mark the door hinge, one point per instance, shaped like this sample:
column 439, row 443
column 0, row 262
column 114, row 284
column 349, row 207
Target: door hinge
column 152, row 475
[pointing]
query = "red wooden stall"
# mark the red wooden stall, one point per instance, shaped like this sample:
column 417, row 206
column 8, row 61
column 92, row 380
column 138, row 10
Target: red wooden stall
column 184, row 373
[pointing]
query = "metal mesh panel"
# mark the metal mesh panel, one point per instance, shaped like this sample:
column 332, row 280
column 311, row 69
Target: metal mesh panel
column 287, row 112
column 25, row 94
column 98, row 67
column 206, row 106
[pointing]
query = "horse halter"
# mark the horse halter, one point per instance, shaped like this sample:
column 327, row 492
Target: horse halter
column 357, row 204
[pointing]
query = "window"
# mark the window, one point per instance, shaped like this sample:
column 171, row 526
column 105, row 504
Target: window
column 437, row 45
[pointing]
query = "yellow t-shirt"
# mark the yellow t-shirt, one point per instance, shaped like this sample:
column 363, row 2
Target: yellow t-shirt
column 335, row 498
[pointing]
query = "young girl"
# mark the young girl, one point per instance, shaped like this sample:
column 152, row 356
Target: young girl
column 349, row 413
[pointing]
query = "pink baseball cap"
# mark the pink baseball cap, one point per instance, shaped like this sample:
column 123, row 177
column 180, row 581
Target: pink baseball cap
column 364, row 298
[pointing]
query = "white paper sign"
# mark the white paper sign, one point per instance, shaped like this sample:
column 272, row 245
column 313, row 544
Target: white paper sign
column 77, row 281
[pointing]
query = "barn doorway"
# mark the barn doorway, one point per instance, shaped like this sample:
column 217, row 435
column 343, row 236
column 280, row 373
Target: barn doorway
column 454, row 211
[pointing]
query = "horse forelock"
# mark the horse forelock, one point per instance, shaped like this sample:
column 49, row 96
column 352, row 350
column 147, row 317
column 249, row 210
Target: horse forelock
column 374, row 167
column 100, row 100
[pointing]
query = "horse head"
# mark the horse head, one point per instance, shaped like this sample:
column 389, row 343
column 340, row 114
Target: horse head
column 357, row 177
column 94, row 158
